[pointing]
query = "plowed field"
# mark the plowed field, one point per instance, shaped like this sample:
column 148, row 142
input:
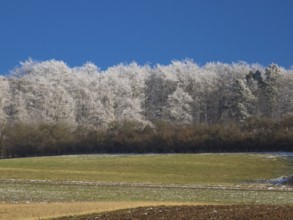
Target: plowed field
column 239, row 212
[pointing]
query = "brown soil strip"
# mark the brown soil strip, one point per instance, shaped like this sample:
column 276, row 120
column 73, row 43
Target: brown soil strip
column 239, row 212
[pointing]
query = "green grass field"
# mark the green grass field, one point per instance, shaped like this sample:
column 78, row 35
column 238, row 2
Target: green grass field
column 193, row 178
column 157, row 169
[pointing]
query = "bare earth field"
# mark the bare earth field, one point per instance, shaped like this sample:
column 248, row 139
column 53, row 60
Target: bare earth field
column 239, row 212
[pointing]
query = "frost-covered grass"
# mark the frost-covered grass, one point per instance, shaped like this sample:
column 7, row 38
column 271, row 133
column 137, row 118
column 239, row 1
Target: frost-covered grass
column 212, row 169
column 48, row 193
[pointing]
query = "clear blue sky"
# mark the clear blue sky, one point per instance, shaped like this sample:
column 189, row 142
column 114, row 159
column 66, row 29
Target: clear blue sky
column 108, row 32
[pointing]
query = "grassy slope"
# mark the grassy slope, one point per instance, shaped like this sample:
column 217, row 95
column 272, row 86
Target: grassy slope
column 159, row 170
column 165, row 169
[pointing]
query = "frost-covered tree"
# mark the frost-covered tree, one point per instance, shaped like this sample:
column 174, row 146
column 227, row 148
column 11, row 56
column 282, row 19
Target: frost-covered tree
column 243, row 103
column 158, row 87
column 4, row 99
column 285, row 94
column 127, row 92
column 179, row 107
column 269, row 91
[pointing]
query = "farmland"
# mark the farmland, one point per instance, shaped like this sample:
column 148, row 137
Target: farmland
column 86, row 183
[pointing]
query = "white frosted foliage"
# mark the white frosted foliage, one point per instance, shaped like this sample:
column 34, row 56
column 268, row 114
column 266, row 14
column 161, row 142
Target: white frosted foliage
column 179, row 108
column 182, row 92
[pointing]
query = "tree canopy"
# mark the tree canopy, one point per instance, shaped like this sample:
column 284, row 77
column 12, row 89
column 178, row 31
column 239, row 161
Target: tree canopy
column 181, row 92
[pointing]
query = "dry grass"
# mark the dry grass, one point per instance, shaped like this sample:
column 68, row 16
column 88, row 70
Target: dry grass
column 51, row 210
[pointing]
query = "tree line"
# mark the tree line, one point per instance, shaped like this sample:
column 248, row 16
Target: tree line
column 181, row 92
column 48, row 108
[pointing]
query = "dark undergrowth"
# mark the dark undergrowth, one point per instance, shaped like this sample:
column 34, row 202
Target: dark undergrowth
column 256, row 135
